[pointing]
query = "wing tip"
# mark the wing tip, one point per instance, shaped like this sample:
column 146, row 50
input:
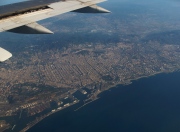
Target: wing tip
column 4, row 55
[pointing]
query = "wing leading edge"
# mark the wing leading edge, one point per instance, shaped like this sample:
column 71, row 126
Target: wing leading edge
column 24, row 21
column 27, row 17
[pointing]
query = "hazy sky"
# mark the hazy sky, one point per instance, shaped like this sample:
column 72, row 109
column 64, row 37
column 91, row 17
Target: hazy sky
column 6, row 2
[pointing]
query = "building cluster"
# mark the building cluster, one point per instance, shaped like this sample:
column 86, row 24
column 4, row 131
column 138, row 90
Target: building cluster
column 79, row 66
column 3, row 125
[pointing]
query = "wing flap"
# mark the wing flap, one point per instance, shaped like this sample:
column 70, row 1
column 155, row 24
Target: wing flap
column 53, row 10
column 32, row 28
column 4, row 54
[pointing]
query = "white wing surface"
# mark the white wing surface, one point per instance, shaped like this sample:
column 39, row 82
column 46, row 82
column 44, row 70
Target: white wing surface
column 22, row 18
column 4, row 54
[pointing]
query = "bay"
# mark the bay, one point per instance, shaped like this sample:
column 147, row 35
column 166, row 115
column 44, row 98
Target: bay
column 147, row 105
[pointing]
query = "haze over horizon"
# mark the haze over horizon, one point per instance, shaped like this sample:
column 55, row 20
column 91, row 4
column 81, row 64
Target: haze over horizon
column 7, row 2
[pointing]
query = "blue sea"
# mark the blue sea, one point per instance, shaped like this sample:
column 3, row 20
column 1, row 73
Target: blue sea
column 147, row 105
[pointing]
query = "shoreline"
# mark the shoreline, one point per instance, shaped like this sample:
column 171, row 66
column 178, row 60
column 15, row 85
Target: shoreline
column 86, row 104
column 130, row 81
column 39, row 119
column 96, row 98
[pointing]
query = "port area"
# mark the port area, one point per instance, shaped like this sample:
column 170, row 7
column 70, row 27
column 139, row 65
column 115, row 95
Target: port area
column 38, row 119
column 4, row 126
column 82, row 97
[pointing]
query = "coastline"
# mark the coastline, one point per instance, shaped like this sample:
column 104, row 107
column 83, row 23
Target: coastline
column 86, row 104
column 130, row 80
column 39, row 119
column 115, row 105
column 97, row 96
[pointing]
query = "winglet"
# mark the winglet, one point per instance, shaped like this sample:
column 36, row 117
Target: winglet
column 4, row 54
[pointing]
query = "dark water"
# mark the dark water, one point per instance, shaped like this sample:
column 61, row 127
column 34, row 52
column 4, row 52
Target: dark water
column 147, row 105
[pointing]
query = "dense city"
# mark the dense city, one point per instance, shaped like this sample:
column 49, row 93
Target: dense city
column 82, row 59
column 31, row 85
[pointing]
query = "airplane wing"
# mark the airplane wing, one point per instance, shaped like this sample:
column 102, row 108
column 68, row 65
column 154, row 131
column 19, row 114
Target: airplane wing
column 22, row 17
column 4, row 54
